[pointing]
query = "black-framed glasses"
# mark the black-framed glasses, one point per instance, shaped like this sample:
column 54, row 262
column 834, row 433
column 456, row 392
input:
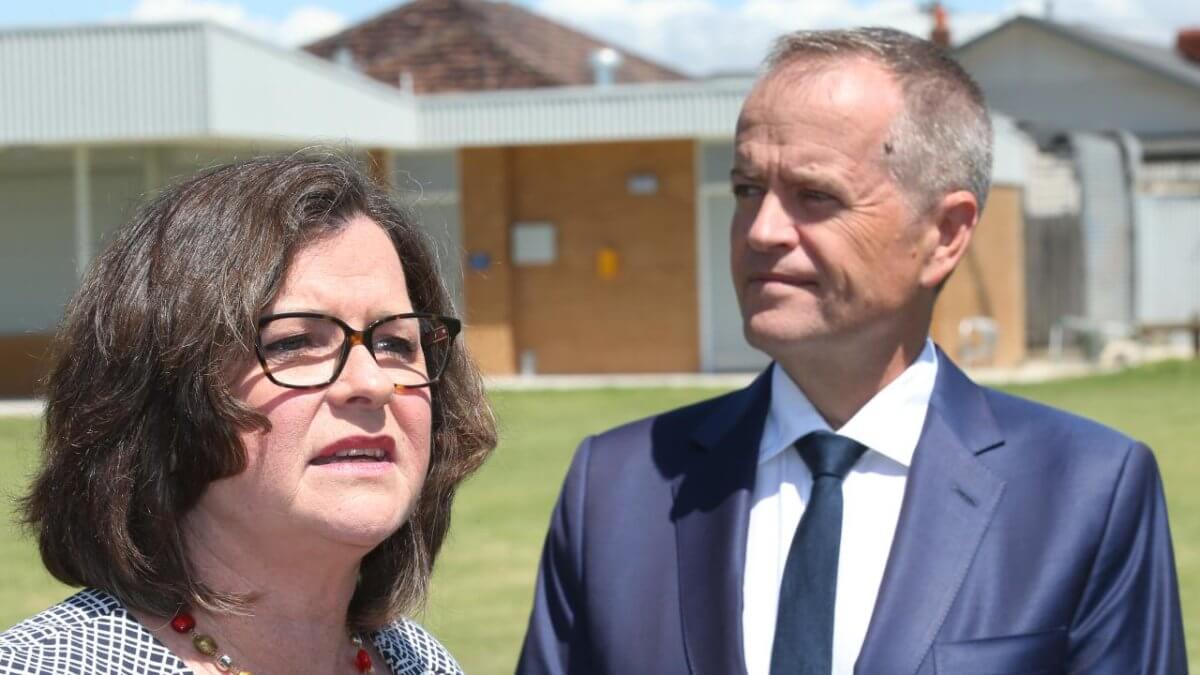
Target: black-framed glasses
column 307, row 350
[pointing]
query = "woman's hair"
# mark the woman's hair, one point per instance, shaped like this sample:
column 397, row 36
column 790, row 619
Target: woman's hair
column 140, row 416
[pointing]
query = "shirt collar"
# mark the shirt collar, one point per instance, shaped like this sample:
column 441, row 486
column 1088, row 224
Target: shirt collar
column 890, row 423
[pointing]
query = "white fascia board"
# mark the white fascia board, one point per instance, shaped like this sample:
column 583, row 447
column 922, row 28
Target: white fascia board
column 265, row 92
column 701, row 109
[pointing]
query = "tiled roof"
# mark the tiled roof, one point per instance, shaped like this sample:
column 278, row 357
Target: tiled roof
column 473, row 45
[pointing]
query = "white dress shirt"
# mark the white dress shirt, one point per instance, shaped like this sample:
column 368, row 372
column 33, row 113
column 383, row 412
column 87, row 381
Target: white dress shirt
column 889, row 425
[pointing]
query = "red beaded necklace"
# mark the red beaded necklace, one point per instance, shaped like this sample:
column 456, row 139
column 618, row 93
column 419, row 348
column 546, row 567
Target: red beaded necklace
column 184, row 624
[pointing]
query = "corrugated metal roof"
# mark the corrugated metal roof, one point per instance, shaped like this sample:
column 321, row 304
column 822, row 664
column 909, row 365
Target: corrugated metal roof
column 134, row 82
column 93, row 83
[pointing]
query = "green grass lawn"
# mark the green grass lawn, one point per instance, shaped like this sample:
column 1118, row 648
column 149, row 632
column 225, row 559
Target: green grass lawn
column 483, row 585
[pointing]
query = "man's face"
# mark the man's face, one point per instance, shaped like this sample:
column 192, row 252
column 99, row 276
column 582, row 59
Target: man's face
column 825, row 246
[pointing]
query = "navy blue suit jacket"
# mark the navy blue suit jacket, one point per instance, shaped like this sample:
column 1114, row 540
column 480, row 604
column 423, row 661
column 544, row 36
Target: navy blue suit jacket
column 1029, row 541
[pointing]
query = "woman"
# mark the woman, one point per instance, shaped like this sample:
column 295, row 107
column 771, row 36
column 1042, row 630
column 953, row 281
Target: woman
column 256, row 421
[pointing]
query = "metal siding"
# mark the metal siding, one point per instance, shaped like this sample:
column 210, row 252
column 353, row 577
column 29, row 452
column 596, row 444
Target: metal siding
column 1010, row 150
column 101, row 84
column 579, row 114
column 37, row 250
column 1168, row 239
column 260, row 91
column 1107, row 227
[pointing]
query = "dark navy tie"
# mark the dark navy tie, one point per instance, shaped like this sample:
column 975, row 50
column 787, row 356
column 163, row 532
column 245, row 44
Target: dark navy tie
column 804, row 624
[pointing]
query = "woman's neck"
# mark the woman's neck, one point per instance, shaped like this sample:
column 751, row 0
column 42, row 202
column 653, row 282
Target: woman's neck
column 296, row 618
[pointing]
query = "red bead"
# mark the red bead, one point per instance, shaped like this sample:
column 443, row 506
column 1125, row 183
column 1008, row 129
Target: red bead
column 183, row 622
column 362, row 661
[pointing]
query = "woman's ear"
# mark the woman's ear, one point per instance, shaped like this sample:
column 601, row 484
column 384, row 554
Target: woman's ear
column 953, row 220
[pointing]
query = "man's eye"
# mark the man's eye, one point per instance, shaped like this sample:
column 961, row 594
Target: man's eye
column 746, row 191
column 818, row 197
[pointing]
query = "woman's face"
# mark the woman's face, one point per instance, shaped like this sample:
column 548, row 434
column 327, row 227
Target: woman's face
column 292, row 493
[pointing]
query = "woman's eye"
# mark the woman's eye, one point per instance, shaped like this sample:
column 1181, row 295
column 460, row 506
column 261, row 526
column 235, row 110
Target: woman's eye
column 287, row 344
column 395, row 346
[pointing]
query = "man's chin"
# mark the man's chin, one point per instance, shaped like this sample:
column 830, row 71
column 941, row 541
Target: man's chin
column 774, row 334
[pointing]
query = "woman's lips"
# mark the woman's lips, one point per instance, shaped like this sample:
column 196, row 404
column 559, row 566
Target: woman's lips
column 357, row 450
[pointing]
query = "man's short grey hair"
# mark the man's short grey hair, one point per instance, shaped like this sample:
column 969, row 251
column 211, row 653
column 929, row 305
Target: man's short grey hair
column 942, row 139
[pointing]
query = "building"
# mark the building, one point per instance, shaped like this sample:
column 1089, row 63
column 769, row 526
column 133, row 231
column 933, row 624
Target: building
column 582, row 228
column 1117, row 123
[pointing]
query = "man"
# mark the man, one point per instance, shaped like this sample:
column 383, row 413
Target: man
column 944, row 528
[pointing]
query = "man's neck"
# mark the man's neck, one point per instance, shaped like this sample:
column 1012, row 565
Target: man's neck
column 840, row 379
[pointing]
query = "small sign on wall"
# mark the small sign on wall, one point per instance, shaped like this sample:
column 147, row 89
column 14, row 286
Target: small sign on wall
column 642, row 184
column 534, row 243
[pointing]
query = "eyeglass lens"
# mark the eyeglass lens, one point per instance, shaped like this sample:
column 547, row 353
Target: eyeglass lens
column 307, row 351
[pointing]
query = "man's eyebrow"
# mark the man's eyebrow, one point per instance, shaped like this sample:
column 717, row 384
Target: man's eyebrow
column 807, row 176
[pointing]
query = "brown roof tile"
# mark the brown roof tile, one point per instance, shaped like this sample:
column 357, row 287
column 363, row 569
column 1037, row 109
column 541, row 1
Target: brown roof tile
column 472, row 45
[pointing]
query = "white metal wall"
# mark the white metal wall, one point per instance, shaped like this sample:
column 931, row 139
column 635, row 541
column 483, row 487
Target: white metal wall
column 1107, row 218
column 37, row 214
column 427, row 183
column 724, row 345
column 1168, row 257
column 1056, row 83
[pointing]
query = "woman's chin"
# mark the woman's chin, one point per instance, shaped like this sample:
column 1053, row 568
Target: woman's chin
column 360, row 525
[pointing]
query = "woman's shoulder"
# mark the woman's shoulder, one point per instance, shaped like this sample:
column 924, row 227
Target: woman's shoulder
column 88, row 632
column 409, row 649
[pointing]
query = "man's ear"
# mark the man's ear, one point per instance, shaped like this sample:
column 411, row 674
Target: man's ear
column 953, row 219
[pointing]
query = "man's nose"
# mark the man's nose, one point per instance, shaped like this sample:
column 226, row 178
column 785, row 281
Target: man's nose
column 772, row 226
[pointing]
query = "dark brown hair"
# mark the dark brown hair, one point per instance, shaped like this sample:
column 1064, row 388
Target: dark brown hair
column 140, row 417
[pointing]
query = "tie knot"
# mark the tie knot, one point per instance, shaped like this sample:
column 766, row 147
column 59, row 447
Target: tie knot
column 828, row 454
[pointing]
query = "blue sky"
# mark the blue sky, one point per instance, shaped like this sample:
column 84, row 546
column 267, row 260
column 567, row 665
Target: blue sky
column 697, row 36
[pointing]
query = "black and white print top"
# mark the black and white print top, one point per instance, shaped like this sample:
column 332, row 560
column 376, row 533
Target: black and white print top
column 91, row 633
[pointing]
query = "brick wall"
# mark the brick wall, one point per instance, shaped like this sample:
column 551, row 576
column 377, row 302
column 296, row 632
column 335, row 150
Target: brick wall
column 24, row 363
column 643, row 319
column 989, row 281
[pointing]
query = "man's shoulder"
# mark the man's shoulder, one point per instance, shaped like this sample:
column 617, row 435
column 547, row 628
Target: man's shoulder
column 679, row 422
column 1059, row 445
column 1026, row 418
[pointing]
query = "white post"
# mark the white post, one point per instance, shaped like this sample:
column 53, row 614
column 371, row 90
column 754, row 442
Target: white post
column 83, row 211
column 704, row 274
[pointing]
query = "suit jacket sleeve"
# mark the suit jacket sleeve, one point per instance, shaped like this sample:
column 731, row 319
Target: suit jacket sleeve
column 1129, row 618
column 554, row 641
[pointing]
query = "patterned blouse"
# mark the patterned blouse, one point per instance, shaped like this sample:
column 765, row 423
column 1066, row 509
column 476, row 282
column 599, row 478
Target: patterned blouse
column 92, row 633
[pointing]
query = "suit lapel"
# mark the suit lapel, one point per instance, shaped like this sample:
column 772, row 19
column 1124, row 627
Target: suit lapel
column 711, row 515
column 948, row 503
